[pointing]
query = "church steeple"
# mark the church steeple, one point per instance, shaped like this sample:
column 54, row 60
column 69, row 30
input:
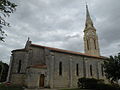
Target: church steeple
column 91, row 45
column 88, row 18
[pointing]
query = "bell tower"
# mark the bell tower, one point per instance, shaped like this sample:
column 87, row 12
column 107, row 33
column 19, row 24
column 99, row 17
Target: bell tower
column 91, row 45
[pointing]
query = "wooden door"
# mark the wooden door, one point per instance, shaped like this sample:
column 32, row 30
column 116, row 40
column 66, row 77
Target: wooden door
column 42, row 80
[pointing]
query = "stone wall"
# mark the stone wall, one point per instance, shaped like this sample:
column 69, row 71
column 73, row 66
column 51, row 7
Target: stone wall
column 15, row 61
column 18, row 79
column 69, row 78
column 36, row 56
column 33, row 77
column 31, row 57
column 14, row 76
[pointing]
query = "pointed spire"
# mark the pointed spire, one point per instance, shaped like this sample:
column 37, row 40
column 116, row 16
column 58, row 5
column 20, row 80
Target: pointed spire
column 88, row 18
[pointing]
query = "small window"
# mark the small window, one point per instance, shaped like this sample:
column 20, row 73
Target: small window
column 95, row 43
column 19, row 66
column 91, row 70
column 60, row 68
column 87, row 44
column 77, row 70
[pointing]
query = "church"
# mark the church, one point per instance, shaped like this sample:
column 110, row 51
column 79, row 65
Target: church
column 37, row 66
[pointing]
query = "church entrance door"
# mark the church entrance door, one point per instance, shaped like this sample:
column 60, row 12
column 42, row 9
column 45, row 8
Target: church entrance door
column 42, row 77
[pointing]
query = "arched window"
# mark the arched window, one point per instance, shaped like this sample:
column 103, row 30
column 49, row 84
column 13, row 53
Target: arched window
column 102, row 69
column 95, row 43
column 77, row 70
column 91, row 70
column 19, row 66
column 60, row 68
column 87, row 44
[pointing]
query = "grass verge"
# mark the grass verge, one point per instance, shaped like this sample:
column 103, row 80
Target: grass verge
column 10, row 87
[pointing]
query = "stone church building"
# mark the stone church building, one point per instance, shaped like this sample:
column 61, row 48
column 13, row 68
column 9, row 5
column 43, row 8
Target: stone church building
column 37, row 66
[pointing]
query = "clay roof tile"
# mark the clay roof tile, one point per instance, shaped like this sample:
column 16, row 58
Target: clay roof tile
column 70, row 52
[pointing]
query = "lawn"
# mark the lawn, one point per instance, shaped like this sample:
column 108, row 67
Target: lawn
column 10, row 87
column 75, row 89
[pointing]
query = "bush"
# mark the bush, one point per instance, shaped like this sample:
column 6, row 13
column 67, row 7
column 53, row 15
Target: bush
column 91, row 83
column 88, row 83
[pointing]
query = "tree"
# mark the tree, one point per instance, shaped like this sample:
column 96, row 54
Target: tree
column 112, row 68
column 3, row 71
column 6, row 8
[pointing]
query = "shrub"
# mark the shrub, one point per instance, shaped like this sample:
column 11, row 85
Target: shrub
column 88, row 83
column 91, row 83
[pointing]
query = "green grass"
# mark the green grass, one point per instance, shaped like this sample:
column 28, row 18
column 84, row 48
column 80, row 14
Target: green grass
column 75, row 89
column 71, row 89
column 11, row 87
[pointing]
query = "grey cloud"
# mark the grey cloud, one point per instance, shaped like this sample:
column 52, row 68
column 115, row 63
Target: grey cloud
column 76, row 35
column 60, row 24
column 74, row 44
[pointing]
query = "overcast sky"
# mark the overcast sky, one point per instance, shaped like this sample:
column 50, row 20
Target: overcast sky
column 60, row 24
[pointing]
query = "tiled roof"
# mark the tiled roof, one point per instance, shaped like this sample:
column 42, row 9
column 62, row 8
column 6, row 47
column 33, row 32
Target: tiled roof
column 69, row 52
column 38, row 66
column 63, row 51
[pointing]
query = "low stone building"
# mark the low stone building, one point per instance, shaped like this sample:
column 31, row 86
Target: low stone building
column 38, row 66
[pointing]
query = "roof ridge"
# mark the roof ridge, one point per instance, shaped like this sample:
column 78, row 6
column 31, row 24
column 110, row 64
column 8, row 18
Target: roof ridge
column 67, row 51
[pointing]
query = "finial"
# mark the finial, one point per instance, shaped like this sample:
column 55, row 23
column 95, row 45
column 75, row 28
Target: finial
column 28, row 38
column 86, row 4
